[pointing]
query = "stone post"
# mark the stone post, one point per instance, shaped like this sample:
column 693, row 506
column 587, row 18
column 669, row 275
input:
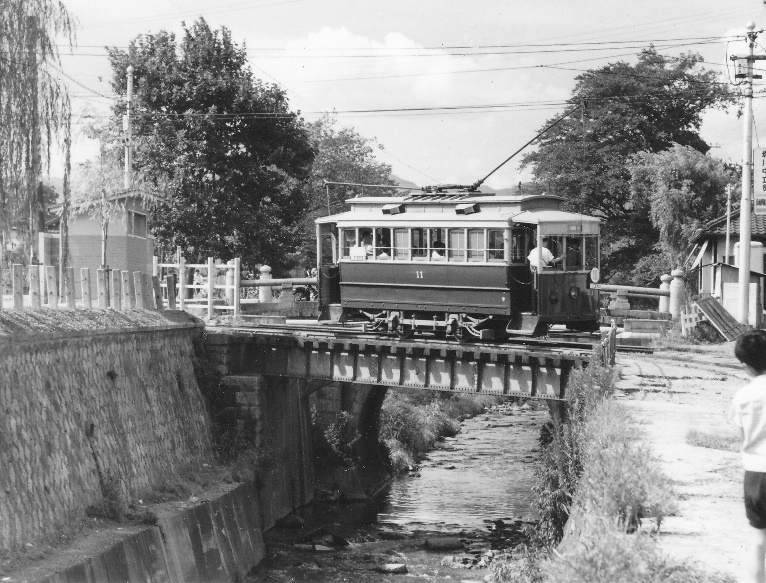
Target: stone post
column 264, row 292
column 230, row 283
column 619, row 301
column 677, row 293
column 665, row 300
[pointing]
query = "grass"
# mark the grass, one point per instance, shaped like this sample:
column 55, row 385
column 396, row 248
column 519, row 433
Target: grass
column 725, row 441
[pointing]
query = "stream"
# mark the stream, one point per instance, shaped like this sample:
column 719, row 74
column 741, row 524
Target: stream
column 468, row 499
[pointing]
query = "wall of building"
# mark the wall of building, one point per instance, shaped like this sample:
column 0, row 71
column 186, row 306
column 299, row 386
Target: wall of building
column 88, row 410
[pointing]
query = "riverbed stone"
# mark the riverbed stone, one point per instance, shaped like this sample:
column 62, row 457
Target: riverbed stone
column 392, row 568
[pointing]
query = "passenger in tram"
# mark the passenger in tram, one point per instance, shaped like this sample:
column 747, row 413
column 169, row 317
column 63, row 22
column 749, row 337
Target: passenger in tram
column 366, row 243
column 537, row 254
column 437, row 251
column 574, row 253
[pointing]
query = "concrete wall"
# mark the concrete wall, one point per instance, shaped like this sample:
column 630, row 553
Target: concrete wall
column 80, row 409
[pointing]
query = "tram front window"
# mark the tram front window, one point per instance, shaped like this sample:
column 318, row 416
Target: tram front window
column 573, row 255
column 591, row 252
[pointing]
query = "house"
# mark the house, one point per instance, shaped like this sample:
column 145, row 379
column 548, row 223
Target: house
column 715, row 271
column 129, row 245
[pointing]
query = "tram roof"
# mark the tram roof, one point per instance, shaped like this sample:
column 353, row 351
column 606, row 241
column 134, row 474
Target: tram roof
column 458, row 210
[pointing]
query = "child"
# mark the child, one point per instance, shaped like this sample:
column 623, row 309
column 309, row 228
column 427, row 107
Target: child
column 748, row 412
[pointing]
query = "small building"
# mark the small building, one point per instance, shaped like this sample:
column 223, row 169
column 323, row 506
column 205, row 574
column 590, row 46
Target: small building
column 129, row 245
column 715, row 271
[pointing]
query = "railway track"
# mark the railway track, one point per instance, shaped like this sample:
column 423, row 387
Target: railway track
column 339, row 333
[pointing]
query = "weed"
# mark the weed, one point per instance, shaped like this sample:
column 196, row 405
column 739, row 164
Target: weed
column 724, row 441
column 114, row 503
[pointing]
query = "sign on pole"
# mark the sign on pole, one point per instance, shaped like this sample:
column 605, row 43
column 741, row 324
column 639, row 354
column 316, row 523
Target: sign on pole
column 759, row 184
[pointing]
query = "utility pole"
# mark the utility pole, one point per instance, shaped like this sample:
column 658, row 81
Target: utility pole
column 747, row 167
column 127, row 126
column 728, row 223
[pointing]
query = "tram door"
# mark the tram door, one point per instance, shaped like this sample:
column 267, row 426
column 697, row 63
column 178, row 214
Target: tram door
column 327, row 264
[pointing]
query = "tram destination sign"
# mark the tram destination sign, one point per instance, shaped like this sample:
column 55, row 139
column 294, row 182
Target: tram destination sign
column 759, row 186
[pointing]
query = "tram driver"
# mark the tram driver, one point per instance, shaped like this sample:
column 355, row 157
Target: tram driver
column 543, row 256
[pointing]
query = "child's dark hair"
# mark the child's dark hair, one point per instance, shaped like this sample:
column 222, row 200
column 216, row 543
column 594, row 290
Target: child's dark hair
column 750, row 349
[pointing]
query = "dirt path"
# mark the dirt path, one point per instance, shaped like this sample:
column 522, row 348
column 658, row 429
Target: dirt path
column 671, row 393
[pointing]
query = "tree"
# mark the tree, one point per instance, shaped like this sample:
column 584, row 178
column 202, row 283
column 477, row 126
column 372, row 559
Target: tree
column 680, row 189
column 342, row 155
column 34, row 107
column 224, row 152
column 627, row 109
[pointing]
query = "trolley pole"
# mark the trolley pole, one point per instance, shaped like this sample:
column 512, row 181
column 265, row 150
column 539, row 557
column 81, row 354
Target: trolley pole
column 747, row 168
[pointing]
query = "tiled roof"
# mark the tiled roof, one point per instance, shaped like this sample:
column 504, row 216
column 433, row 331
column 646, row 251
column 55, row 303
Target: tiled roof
column 718, row 227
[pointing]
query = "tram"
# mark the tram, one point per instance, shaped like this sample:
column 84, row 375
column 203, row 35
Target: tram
column 456, row 263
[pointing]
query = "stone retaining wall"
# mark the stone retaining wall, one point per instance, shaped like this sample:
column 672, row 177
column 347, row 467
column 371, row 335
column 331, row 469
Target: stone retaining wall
column 86, row 413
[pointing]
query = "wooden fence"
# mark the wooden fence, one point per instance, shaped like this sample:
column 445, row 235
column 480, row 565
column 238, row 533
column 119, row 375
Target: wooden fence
column 119, row 290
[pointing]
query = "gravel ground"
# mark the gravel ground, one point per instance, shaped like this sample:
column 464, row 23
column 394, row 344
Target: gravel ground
column 671, row 393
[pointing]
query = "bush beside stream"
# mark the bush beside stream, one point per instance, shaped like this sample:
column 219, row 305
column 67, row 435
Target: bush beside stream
column 412, row 422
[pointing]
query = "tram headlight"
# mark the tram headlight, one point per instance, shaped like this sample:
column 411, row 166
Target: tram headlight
column 574, row 292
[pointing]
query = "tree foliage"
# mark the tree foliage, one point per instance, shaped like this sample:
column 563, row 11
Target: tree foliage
column 680, row 189
column 222, row 149
column 34, row 105
column 645, row 107
column 342, row 155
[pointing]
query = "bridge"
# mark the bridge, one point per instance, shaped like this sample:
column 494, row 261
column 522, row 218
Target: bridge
column 527, row 368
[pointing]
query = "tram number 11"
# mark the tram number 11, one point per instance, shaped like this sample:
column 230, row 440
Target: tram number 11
column 418, row 275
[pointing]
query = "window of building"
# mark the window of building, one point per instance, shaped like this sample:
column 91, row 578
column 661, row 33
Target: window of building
column 137, row 224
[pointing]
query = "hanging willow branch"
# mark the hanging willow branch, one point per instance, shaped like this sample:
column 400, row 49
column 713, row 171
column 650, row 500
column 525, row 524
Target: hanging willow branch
column 34, row 107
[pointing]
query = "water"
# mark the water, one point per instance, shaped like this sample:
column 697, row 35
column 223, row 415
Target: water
column 493, row 458
column 483, row 475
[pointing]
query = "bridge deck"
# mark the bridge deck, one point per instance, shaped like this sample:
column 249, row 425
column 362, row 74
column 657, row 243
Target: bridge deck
column 532, row 369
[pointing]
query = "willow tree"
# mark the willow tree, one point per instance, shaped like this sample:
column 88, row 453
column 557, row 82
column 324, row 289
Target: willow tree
column 34, row 109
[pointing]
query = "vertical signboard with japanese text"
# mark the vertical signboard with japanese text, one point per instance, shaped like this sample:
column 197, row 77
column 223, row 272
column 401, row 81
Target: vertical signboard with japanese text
column 759, row 181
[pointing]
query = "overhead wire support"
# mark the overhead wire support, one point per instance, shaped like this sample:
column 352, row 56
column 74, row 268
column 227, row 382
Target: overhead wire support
column 478, row 183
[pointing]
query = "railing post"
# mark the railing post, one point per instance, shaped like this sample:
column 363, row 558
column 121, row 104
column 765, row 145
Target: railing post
column 128, row 293
column 155, row 265
column 170, row 285
column 677, row 293
column 665, row 300
column 210, row 288
column 34, row 287
column 619, row 300
column 2, row 288
column 264, row 292
column 18, row 286
column 69, row 291
column 230, row 282
column 237, row 291
column 114, row 289
column 181, row 282
column 103, row 301
column 138, row 285
column 146, row 282
column 85, row 288
column 53, row 294
column 158, row 302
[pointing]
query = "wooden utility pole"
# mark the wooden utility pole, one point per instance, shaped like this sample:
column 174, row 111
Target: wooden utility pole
column 747, row 168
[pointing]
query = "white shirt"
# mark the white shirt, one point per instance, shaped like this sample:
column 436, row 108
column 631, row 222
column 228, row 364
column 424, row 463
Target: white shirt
column 748, row 412
column 536, row 252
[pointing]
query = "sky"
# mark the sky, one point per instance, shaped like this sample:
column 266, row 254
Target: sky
column 448, row 89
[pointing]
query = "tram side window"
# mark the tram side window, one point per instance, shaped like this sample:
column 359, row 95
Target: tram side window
column 495, row 246
column 591, row 252
column 573, row 254
column 475, row 244
column 436, row 239
column 348, row 240
column 519, row 246
column 383, row 243
column 456, row 247
column 401, row 244
column 419, row 245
